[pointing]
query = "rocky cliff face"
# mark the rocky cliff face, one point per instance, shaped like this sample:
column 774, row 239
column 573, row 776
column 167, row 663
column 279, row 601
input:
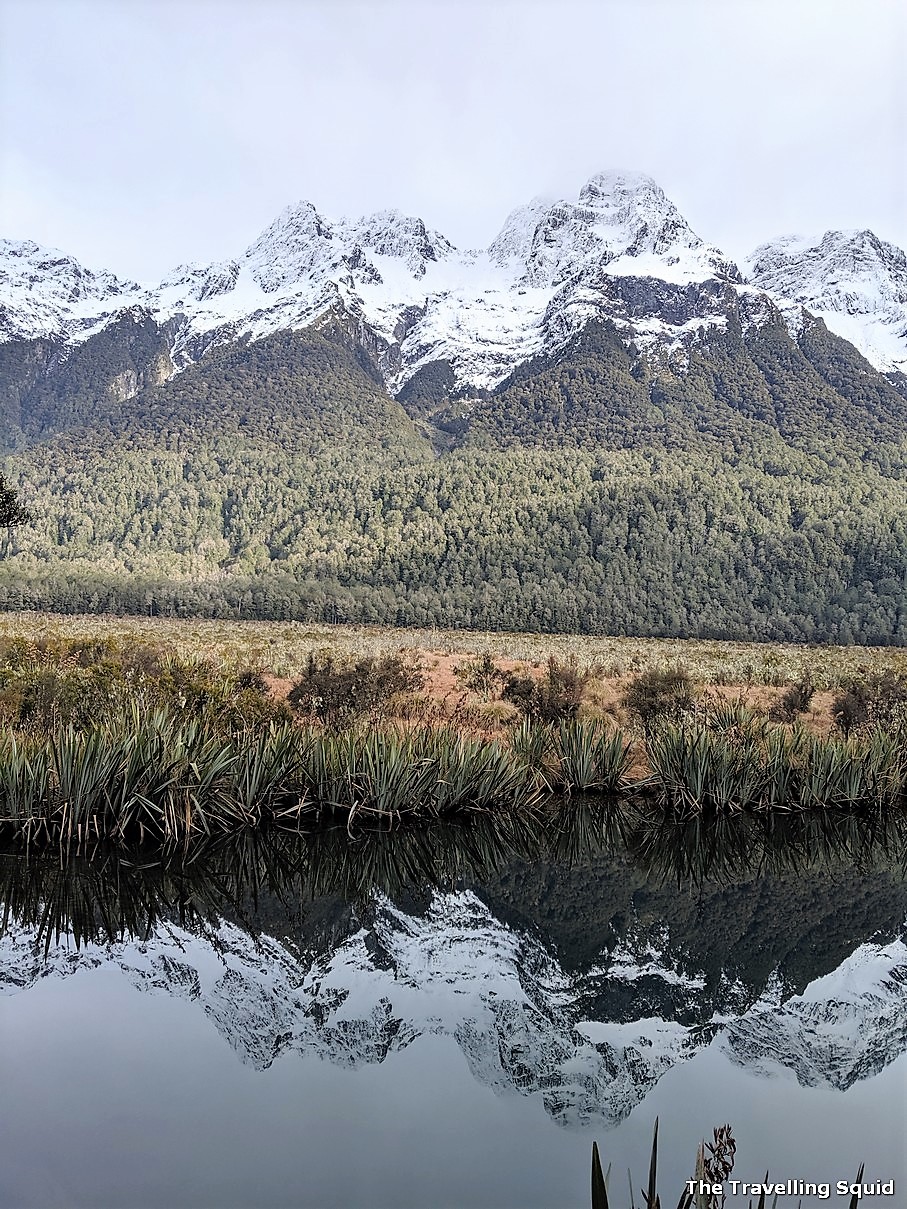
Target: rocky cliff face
column 517, row 1015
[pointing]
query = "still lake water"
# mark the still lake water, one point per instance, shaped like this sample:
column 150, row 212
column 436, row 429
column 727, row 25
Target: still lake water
column 449, row 1018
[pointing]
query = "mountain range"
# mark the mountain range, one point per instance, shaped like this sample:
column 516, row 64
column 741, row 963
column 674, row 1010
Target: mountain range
column 419, row 300
column 597, row 422
column 591, row 1041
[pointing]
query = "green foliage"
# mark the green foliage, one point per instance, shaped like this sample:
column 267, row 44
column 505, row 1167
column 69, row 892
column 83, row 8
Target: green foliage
column 47, row 387
column 533, row 747
column 164, row 778
column 735, row 761
column 589, row 396
column 660, row 693
column 591, row 759
column 570, row 756
column 46, row 685
column 573, row 541
column 11, row 511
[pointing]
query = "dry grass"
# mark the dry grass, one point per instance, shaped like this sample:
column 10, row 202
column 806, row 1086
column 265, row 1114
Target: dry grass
column 280, row 649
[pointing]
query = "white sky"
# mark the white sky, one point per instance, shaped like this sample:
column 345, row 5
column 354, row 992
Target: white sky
column 137, row 134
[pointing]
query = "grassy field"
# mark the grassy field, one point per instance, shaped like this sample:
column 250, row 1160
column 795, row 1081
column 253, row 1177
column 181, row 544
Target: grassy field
column 281, row 648
column 172, row 729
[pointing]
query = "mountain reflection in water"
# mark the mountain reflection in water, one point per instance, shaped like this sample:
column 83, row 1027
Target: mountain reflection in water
column 577, row 958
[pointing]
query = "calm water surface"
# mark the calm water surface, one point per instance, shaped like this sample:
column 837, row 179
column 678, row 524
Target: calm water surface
column 449, row 1018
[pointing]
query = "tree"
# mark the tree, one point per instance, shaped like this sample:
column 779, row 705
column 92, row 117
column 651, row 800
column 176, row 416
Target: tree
column 11, row 511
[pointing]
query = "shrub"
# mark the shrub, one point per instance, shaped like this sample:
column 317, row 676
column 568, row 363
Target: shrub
column 592, row 758
column 252, row 681
column 556, row 697
column 877, row 700
column 333, row 694
column 88, row 652
column 660, row 693
column 481, row 676
column 794, row 701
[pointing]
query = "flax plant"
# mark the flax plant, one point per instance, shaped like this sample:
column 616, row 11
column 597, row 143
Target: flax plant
column 592, row 759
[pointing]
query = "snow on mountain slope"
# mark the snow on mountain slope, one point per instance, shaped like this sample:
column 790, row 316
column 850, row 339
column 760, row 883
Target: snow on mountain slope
column 553, row 266
column 44, row 292
column 517, row 1016
column 854, row 281
column 622, row 251
column 824, row 1035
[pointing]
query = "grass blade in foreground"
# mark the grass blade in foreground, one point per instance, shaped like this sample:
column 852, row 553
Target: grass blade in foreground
column 599, row 1187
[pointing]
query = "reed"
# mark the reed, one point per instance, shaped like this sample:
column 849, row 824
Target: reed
column 264, row 773
column 24, row 778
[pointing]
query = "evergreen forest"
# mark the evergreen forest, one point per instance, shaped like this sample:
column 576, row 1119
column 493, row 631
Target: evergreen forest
column 751, row 485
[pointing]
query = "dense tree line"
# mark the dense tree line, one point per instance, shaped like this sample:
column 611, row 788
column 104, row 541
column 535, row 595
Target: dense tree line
column 527, row 539
column 748, row 486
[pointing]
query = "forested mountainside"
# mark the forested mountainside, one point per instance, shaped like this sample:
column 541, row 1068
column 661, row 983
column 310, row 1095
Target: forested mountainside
column 661, row 448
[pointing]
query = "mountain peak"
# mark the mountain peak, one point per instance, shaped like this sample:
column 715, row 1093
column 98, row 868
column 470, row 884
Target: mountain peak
column 41, row 289
column 514, row 240
column 26, row 263
column 291, row 248
column 858, row 250
column 622, row 223
column 618, row 183
column 299, row 215
column 392, row 233
column 852, row 279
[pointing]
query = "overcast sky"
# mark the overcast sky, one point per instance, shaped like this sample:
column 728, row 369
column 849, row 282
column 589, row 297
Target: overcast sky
column 136, row 134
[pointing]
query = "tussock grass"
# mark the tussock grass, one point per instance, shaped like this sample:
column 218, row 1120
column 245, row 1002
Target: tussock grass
column 736, row 760
column 163, row 778
column 591, row 758
column 284, row 647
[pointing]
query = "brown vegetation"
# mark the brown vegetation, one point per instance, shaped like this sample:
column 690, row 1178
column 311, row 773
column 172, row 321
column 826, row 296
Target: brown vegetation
column 758, row 676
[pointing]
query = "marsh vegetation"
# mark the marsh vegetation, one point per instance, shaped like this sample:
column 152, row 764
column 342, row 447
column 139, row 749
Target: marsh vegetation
column 131, row 742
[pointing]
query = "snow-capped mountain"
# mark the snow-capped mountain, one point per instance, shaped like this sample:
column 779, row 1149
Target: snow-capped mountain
column 854, row 281
column 520, row 1019
column 621, row 251
column 846, row 1026
column 553, row 266
column 44, row 292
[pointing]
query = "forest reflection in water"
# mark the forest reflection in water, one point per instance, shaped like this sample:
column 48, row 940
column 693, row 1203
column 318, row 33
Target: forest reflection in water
column 103, row 895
